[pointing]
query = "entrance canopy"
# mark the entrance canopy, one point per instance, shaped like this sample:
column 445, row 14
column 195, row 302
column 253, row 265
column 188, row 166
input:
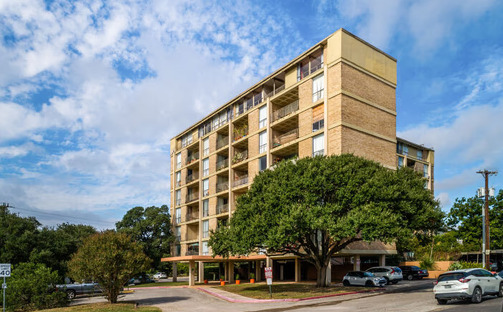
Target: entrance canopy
column 212, row 259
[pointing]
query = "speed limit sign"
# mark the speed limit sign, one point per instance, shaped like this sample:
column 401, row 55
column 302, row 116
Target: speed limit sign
column 4, row 269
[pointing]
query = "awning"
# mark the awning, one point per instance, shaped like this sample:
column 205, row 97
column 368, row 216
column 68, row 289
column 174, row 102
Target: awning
column 212, row 259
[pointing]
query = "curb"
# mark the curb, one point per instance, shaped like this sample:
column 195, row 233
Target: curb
column 280, row 300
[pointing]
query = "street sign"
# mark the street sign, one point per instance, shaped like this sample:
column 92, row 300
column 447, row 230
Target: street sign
column 4, row 269
column 268, row 276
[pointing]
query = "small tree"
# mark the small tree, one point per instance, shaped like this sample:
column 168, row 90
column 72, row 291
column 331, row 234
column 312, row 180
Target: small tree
column 32, row 287
column 315, row 207
column 109, row 258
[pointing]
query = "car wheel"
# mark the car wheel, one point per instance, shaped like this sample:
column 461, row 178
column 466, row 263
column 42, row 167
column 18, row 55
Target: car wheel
column 410, row 277
column 500, row 291
column 442, row 301
column 387, row 280
column 70, row 293
column 346, row 283
column 369, row 284
column 477, row 295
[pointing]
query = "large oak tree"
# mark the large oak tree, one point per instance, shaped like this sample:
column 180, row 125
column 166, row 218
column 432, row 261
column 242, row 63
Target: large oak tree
column 315, row 207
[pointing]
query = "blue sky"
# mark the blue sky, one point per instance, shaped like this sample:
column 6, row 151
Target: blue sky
column 91, row 91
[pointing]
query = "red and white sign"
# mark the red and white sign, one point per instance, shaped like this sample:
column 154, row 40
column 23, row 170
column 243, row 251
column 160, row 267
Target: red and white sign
column 268, row 275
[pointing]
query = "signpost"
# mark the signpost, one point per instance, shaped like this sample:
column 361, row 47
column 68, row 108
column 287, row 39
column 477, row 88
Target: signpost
column 268, row 276
column 4, row 272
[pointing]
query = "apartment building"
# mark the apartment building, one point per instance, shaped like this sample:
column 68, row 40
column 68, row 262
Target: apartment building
column 336, row 97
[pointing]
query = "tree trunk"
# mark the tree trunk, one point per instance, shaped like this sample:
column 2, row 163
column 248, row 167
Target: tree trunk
column 321, row 279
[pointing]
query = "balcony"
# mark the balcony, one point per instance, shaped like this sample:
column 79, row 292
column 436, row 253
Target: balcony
column 222, row 186
column 276, row 91
column 222, row 208
column 192, row 197
column 222, row 164
column 192, row 158
column 240, row 132
column 316, row 64
column 239, row 157
column 178, row 183
column 191, row 216
column 240, row 181
column 286, row 137
column 191, row 177
column 285, row 110
column 222, row 142
column 192, row 251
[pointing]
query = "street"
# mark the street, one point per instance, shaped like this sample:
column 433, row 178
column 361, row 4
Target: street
column 414, row 296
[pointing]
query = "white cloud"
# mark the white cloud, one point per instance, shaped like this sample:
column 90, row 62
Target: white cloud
column 444, row 199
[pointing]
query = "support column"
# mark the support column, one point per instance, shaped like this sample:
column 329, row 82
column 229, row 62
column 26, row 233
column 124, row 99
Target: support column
column 382, row 260
column 175, row 271
column 356, row 265
column 297, row 270
column 191, row 273
column 226, row 271
column 258, row 273
column 201, row 271
column 231, row 271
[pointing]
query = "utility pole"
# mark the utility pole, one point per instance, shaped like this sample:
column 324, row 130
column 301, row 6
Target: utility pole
column 486, row 247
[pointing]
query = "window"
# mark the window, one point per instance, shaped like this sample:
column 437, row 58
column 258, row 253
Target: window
column 402, row 149
column 318, row 87
column 178, row 160
column 262, row 142
column 318, row 125
column 206, row 208
column 262, row 163
column 262, row 117
column 178, row 197
column 206, row 147
column 178, row 233
column 400, row 161
column 318, row 145
column 178, row 250
column 206, row 167
column 178, row 215
column 206, row 228
column 206, row 187
column 425, row 171
column 419, row 154
column 205, row 248
column 216, row 123
column 178, row 178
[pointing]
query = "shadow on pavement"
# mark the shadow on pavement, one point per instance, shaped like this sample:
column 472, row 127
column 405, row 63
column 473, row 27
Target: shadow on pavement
column 160, row 300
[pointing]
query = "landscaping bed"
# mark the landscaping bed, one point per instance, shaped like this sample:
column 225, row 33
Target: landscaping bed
column 290, row 291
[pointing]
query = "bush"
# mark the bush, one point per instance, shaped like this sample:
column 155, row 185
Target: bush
column 464, row 265
column 32, row 287
column 427, row 263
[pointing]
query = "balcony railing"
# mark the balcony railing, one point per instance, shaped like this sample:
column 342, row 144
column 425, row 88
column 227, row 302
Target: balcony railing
column 240, row 181
column 178, row 202
column 239, row 157
column 222, row 186
column 192, row 252
column 316, row 64
column 191, row 177
column 222, row 142
column 224, row 163
column 192, row 158
column 191, row 216
column 285, row 110
column 240, row 132
column 192, row 197
column 222, row 208
column 178, row 183
column 286, row 137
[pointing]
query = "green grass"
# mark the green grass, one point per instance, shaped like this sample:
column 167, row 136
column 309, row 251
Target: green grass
column 160, row 284
column 105, row 307
column 288, row 291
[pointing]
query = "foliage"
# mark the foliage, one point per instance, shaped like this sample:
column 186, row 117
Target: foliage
column 315, row 207
column 459, row 265
column 252, row 275
column 465, row 218
column 109, row 258
column 440, row 247
column 427, row 263
column 151, row 228
column 31, row 287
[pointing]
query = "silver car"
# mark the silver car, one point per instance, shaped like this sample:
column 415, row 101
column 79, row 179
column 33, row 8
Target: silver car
column 392, row 274
column 362, row 278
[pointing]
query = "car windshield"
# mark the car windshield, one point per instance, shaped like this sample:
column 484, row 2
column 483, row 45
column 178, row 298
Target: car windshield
column 368, row 274
column 450, row 277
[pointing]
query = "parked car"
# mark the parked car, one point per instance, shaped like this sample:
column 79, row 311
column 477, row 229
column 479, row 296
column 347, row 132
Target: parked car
column 79, row 289
column 159, row 275
column 140, row 280
column 392, row 274
column 470, row 284
column 363, row 279
column 411, row 272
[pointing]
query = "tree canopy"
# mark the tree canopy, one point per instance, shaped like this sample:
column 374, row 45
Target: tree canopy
column 151, row 228
column 465, row 218
column 109, row 258
column 315, row 207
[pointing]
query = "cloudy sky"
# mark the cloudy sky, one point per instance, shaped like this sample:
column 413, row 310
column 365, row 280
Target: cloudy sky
column 92, row 91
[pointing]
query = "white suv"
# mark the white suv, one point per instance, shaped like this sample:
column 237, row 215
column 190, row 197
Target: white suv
column 392, row 274
column 467, row 284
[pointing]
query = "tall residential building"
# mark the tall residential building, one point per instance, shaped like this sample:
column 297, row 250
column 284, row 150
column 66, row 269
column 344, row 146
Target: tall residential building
column 336, row 97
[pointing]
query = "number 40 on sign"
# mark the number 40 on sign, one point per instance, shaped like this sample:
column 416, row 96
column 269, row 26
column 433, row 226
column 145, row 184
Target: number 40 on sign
column 4, row 269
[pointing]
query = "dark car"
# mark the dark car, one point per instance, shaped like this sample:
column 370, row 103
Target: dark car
column 140, row 280
column 411, row 272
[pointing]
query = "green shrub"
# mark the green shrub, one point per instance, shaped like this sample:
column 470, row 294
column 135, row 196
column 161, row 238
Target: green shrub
column 32, row 287
column 464, row 265
column 427, row 263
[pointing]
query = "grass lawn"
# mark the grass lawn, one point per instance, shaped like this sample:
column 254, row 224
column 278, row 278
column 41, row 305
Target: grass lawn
column 285, row 291
column 105, row 307
column 160, row 284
